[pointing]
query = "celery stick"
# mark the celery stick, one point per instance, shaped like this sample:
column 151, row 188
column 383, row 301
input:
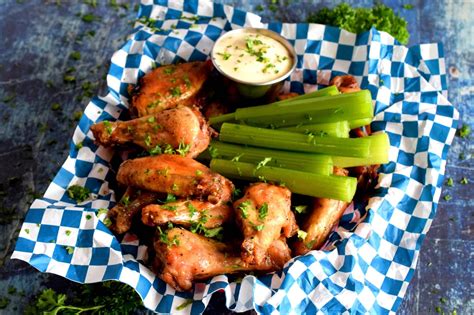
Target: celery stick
column 284, row 140
column 339, row 129
column 310, row 184
column 379, row 149
column 327, row 91
column 312, row 163
column 221, row 118
column 356, row 123
column 350, row 106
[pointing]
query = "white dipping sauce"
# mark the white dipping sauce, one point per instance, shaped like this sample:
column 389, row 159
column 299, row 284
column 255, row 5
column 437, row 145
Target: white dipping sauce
column 251, row 57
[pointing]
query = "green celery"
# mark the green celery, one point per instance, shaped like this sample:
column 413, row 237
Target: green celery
column 310, row 184
column 350, row 106
column 339, row 129
column 379, row 149
column 290, row 141
column 222, row 118
column 312, row 163
column 356, row 123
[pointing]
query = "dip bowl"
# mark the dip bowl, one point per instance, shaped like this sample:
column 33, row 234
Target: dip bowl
column 251, row 89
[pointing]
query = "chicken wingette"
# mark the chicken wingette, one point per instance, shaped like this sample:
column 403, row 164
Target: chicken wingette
column 169, row 86
column 183, row 257
column 177, row 175
column 264, row 215
column 181, row 130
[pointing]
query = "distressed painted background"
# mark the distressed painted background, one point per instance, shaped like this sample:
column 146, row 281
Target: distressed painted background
column 43, row 89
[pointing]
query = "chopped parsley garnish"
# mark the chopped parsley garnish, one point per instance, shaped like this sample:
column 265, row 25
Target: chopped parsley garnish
column 465, row 131
column 125, row 200
column 151, row 119
column 175, row 91
column 155, row 151
column 27, row 231
column 170, row 198
column 263, row 162
column 213, row 151
column 165, row 239
column 225, row 55
column 67, row 232
column 169, row 70
column 187, row 82
column 450, row 182
column 154, row 104
column 263, row 211
column 75, row 55
column 147, row 140
column 102, row 211
column 184, row 305
column 243, row 208
column 464, row 181
column 408, row 6
column 301, row 209
column 56, row 106
column 447, row 197
column 169, row 207
column 302, row 235
column 78, row 193
column 168, row 149
column 174, row 187
column 198, row 172
column 183, row 149
column 108, row 126
column 88, row 217
column 69, row 249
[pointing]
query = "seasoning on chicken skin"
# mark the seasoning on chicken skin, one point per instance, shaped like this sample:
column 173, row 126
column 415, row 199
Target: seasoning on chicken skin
column 131, row 203
column 323, row 216
column 182, row 128
column 169, row 86
column 183, row 257
column 186, row 213
column 177, row 175
column 264, row 215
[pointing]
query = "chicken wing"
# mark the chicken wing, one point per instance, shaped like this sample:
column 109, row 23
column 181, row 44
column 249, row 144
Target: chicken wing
column 263, row 214
column 182, row 129
column 324, row 215
column 183, row 256
column 187, row 213
column 345, row 83
column 174, row 174
column 132, row 201
column 169, row 86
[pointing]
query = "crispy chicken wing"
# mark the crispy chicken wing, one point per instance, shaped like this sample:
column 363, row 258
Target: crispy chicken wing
column 345, row 83
column 176, row 175
column 182, row 128
column 183, row 256
column 263, row 214
column 324, row 215
column 132, row 201
column 169, row 86
column 187, row 213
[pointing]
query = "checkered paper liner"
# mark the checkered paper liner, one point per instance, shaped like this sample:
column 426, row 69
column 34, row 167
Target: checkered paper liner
column 370, row 257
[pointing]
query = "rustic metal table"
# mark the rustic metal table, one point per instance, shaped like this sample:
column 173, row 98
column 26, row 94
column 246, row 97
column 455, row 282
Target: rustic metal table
column 44, row 86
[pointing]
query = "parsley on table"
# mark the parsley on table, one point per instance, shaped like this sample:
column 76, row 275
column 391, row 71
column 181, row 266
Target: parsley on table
column 450, row 182
column 464, row 181
column 78, row 193
column 75, row 55
column 465, row 131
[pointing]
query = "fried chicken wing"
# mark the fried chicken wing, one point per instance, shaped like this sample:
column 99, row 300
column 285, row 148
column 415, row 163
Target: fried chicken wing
column 131, row 203
column 324, row 215
column 345, row 83
column 187, row 213
column 169, row 86
column 176, row 175
column 182, row 128
column 183, row 257
column 264, row 215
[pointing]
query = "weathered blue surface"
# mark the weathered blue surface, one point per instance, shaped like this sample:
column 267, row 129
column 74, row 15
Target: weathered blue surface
column 36, row 40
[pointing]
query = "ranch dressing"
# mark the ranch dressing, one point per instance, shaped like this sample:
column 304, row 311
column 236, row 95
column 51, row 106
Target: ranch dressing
column 251, row 57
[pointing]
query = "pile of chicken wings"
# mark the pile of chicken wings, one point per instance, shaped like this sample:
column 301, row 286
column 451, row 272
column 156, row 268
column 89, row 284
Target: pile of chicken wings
column 190, row 206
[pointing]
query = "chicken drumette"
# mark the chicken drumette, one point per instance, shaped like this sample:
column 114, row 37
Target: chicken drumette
column 182, row 130
column 183, row 256
column 169, row 86
column 177, row 175
column 131, row 203
column 264, row 215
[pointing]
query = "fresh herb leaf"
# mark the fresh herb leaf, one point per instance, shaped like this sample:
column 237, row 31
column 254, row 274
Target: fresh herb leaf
column 301, row 209
column 450, row 182
column 78, row 193
column 243, row 208
column 302, row 235
column 465, row 131
column 75, row 55
column 447, row 197
column 464, row 181
column 408, row 6
column 184, row 305
column 183, row 148
column 263, row 211
column 108, row 126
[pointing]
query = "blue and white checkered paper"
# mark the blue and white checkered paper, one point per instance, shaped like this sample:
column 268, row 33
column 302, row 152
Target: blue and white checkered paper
column 370, row 258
